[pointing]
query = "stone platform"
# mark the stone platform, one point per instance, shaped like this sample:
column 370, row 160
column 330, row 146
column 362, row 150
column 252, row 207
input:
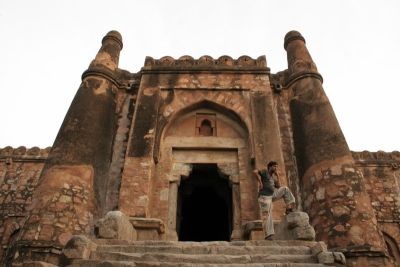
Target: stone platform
column 109, row 252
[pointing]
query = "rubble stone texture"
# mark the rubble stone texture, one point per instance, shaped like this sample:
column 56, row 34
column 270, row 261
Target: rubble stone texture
column 115, row 225
column 295, row 226
column 173, row 147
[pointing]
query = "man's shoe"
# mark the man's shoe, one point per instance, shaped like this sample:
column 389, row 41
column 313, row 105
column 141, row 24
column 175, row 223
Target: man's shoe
column 289, row 210
column 270, row 237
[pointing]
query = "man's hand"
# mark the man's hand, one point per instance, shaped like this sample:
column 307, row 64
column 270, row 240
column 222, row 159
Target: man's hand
column 260, row 186
column 276, row 178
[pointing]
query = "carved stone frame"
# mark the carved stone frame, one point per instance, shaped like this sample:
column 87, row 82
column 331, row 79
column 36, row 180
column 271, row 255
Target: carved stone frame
column 179, row 170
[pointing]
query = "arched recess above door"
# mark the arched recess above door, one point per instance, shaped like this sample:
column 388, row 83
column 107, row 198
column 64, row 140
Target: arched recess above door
column 184, row 126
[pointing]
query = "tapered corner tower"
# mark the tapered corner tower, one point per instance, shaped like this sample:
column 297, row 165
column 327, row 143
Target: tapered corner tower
column 333, row 190
column 72, row 187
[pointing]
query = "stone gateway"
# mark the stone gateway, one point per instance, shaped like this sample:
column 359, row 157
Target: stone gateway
column 155, row 168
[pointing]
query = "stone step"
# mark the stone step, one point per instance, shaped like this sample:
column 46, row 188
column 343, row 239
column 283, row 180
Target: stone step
column 100, row 263
column 294, row 253
column 204, row 249
column 96, row 263
column 209, row 243
column 202, row 258
column 158, row 264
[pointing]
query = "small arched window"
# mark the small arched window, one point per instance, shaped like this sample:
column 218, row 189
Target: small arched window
column 206, row 128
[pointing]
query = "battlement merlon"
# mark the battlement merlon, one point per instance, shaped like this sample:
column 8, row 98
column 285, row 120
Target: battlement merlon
column 206, row 63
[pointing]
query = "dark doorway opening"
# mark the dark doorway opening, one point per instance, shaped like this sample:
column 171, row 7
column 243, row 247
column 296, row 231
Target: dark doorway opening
column 204, row 205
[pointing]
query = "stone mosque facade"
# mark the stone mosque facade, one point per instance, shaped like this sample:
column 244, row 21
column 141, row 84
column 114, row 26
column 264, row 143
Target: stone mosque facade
column 171, row 148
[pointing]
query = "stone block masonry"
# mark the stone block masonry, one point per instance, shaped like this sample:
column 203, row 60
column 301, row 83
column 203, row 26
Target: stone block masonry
column 20, row 169
column 173, row 147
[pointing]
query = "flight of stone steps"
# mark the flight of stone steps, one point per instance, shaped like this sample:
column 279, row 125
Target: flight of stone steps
column 294, row 253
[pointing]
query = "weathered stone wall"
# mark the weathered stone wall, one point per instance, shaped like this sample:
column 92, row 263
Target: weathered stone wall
column 20, row 170
column 172, row 88
column 129, row 140
column 19, row 173
column 382, row 176
column 126, row 99
column 282, row 103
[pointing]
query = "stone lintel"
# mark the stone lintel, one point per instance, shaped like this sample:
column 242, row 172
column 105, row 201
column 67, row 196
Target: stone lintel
column 205, row 142
column 204, row 156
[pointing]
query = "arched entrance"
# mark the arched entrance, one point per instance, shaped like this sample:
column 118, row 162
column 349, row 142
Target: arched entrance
column 205, row 151
column 204, row 210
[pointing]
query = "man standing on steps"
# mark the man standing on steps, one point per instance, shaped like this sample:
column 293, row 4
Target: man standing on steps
column 269, row 190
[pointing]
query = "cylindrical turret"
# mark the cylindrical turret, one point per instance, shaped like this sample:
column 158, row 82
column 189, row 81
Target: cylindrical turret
column 312, row 112
column 108, row 55
column 72, row 187
column 333, row 190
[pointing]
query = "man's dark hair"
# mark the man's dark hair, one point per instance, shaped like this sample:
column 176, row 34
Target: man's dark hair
column 271, row 163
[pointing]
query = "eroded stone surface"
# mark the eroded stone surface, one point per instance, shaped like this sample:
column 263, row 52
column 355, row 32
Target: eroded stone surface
column 115, row 225
column 79, row 247
column 131, row 141
column 170, row 253
column 295, row 226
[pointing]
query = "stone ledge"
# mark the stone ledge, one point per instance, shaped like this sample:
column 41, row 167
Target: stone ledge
column 148, row 228
column 35, row 264
column 253, row 230
column 147, row 223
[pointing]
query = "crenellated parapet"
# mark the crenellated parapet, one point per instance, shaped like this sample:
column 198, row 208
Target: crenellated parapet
column 377, row 158
column 23, row 153
column 243, row 63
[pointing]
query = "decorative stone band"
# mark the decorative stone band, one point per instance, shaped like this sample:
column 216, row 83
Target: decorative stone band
column 24, row 154
column 376, row 156
column 301, row 75
column 243, row 63
column 104, row 73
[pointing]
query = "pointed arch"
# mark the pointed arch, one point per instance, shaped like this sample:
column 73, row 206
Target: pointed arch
column 165, row 124
column 207, row 104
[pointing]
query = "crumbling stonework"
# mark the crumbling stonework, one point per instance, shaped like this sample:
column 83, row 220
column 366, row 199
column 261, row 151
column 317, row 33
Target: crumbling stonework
column 173, row 147
column 20, row 169
column 381, row 174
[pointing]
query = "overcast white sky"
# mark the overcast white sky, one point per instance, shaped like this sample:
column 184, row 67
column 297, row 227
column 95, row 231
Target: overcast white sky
column 47, row 44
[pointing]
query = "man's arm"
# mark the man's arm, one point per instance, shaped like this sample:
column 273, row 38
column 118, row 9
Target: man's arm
column 275, row 176
column 260, row 185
